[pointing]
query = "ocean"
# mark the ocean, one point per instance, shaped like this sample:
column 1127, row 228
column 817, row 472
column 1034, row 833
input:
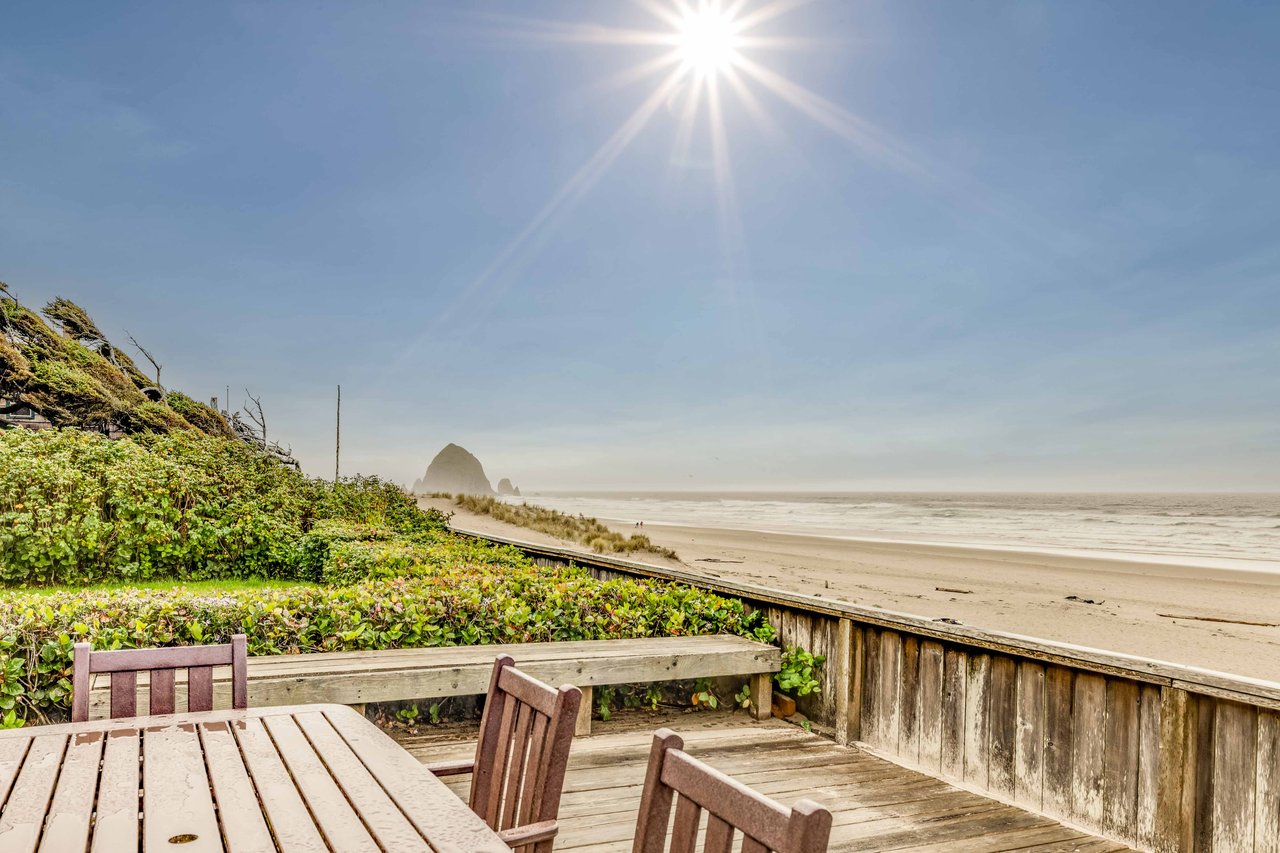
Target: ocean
column 1222, row 530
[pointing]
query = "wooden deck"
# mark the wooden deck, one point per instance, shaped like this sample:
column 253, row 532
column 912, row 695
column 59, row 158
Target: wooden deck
column 877, row 805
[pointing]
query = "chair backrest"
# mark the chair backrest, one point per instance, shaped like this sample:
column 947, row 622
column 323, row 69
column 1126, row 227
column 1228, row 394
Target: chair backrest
column 125, row 664
column 730, row 805
column 525, row 734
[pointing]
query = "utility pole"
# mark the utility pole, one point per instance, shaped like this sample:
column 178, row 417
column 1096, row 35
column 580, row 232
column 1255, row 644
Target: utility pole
column 337, row 439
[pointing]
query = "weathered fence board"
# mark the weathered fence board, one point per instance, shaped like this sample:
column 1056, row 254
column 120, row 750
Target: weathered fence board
column 955, row 667
column 1029, row 756
column 931, row 670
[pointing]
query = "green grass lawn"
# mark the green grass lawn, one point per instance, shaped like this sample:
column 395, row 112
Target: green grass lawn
column 211, row 587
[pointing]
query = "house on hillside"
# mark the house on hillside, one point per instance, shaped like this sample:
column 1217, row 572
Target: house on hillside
column 15, row 413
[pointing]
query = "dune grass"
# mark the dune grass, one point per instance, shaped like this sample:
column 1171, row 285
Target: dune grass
column 575, row 528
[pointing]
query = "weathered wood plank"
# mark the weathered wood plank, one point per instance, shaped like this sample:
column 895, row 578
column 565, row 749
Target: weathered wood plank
column 889, row 700
column 178, row 802
column 825, row 638
column 840, row 665
column 977, row 720
column 909, row 701
column 1266, row 824
column 1201, row 806
column 1175, row 786
column 1059, row 740
column 1002, row 741
column 67, row 826
column 931, row 671
column 243, row 824
column 1029, row 746
column 115, row 826
column 1088, row 739
column 1235, row 762
column 954, row 679
column 1149, row 741
column 12, row 751
column 871, row 687
column 24, row 812
column 1120, row 760
column 858, row 664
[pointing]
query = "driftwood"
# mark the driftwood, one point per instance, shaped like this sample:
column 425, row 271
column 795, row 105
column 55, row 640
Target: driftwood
column 1224, row 620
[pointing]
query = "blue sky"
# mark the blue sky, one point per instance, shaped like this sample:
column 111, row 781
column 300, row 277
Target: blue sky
column 1056, row 268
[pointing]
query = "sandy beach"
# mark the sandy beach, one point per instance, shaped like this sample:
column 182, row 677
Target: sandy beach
column 1143, row 608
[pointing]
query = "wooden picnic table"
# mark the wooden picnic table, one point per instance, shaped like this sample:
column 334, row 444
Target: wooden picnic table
column 294, row 778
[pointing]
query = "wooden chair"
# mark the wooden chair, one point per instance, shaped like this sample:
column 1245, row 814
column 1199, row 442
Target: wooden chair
column 518, row 772
column 730, row 805
column 125, row 664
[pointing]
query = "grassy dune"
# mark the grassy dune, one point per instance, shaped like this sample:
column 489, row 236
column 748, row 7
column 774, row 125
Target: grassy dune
column 576, row 528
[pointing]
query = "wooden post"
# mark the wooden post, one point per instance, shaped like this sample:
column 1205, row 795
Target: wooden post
column 582, row 727
column 337, row 438
column 762, row 695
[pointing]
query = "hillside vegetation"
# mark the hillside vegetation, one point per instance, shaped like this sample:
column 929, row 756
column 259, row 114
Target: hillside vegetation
column 73, row 375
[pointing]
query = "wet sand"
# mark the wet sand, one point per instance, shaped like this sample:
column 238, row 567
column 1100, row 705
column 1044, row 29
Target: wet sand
column 1144, row 608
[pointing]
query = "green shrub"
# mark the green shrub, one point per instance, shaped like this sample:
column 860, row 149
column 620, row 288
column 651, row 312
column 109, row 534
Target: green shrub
column 460, row 604
column 76, row 508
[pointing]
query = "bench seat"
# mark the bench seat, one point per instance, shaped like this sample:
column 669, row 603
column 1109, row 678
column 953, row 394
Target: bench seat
column 356, row 678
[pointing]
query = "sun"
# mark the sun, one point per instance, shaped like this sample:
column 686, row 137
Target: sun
column 707, row 39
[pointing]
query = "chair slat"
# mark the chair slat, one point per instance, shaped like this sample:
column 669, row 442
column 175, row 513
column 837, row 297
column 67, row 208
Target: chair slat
column 684, row 832
column 80, row 678
column 162, row 692
column 495, row 756
column 719, row 836
column 200, row 688
column 531, row 793
column 516, row 766
column 124, row 694
column 175, row 657
column 239, row 672
column 528, row 690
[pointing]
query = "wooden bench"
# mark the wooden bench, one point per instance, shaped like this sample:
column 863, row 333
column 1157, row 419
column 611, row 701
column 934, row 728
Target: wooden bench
column 356, row 678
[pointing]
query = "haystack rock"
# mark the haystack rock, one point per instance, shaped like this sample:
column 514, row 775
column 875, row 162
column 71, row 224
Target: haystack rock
column 456, row 471
column 505, row 488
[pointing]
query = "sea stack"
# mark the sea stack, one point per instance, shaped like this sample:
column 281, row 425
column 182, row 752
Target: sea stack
column 505, row 488
column 455, row 471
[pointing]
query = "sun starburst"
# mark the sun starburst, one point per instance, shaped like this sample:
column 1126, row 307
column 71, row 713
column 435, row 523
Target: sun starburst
column 707, row 39
column 698, row 51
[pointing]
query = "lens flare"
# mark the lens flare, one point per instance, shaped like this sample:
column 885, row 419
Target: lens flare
column 707, row 39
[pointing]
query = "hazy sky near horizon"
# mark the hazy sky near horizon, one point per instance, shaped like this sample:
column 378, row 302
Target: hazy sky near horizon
column 1014, row 245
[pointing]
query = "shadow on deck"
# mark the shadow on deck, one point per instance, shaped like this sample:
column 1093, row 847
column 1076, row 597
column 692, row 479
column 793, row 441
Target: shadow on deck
column 877, row 805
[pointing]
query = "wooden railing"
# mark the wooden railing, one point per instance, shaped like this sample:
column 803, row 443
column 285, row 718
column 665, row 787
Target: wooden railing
column 1157, row 755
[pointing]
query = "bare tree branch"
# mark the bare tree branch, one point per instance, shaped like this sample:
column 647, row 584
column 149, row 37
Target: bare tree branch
column 257, row 416
column 146, row 354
